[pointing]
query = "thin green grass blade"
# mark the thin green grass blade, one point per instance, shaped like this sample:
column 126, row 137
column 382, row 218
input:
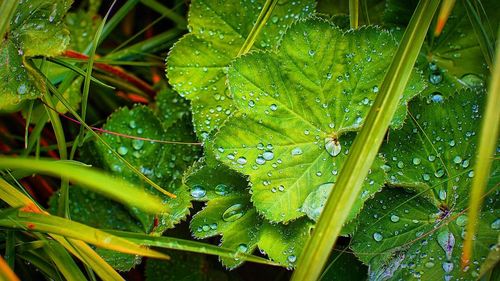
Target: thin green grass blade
column 79, row 71
column 484, row 158
column 168, row 13
column 71, row 229
column 485, row 42
column 7, row 9
column 187, row 245
column 92, row 179
column 354, row 13
column 444, row 14
column 63, row 261
column 61, row 98
column 10, row 248
column 41, row 263
column 365, row 147
column 264, row 15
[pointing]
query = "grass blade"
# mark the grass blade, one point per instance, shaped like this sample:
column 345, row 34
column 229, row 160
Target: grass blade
column 92, row 179
column 6, row 272
column 187, row 245
column 365, row 147
column 7, row 9
column 486, row 44
column 354, row 13
column 166, row 12
column 63, row 261
column 444, row 14
column 264, row 15
column 67, row 228
column 484, row 158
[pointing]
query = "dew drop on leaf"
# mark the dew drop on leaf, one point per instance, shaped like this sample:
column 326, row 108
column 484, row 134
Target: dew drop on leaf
column 198, row 191
column 332, row 146
column 394, row 218
column 296, row 151
column 378, row 236
column 222, row 189
column 446, row 240
column 496, row 224
column 233, row 213
column 122, row 150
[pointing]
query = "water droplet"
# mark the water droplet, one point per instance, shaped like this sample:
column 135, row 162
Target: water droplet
column 198, row 192
column 495, row 225
column 437, row 98
column 461, row 221
column 472, row 80
column 233, row 213
column 222, row 189
column 242, row 160
column 447, row 267
column 377, row 236
column 457, row 159
column 416, row 161
column 296, row 151
column 426, row 177
column 122, row 150
column 292, row 258
column 22, row 89
column 394, row 218
column 439, row 173
column 251, row 103
column 137, row 144
column 429, row 264
column 465, row 164
column 435, row 78
column 332, row 146
column 446, row 240
column 273, row 107
column 242, row 248
column 312, row 52
column 274, row 19
column 268, row 155
column 375, row 89
column 470, row 174
column 132, row 124
column 260, row 160
column 401, row 165
column 442, row 194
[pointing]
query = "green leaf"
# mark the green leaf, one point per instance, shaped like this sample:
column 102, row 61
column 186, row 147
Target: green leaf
column 453, row 60
column 297, row 111
column 230, row 213
column 432, row 155
column 36, row 29
column 196, row 64
column 170, row 107
column 162, row 162
column 97, row 211
column 344, row 266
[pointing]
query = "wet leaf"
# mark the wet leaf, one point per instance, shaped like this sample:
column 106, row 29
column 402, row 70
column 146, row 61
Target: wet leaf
column 419, row 234
column 36, row 29
column 298, row 110
column 197, row 63
column 230, row 213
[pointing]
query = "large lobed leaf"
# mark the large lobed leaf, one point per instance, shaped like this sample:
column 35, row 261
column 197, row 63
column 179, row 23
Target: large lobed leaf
column 230, row 213
column 297, row 111
column 408, row 235
column 196, row 64
column 36, row 29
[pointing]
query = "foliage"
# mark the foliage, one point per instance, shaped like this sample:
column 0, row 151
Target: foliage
column 244, row 141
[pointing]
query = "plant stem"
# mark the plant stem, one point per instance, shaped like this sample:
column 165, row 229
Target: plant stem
column 354, row 13
column 264, row 16
column 484, row 158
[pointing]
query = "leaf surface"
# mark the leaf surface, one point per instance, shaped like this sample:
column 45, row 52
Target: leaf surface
column 419, row 234
column 299, row 109
column 197, row 63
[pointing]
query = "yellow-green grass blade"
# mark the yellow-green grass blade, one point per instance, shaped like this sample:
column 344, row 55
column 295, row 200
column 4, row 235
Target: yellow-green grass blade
column 484, row 158
column 187, row 245
column 444, row 14
column 354, row 13
column 92, row 179
column 365, row 147
column 63, row 261
column 67, row 228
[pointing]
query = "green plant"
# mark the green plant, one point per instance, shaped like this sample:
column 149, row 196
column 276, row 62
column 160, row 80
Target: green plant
column 282, row 126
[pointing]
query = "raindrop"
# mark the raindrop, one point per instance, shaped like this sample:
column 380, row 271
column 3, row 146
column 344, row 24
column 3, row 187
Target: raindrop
column 22, row 89
column 242, row 248
column 416, row 161
column 495, row 225
column 292, row 258
column 233, row 213
column 437, row 98
column 457, row 159
column 122, row 150
column 273, row 107
column 268, row 155
column 312, row 52
column 435, row 78
column 137, row 144
column 261, row 161
column 242, row 160
column 394, row 218
column 377, row 236
column 332, row 146
column 296, row 151
column 447, row 267
column 446, row 240
column 461, row 221
column 251, row 103
column 198, row 191
column 375, row 89
column 222, row 189
column 442, row 194
column 439, row 173
column 426, row 177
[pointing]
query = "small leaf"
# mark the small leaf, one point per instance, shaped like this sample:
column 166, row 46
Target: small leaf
column 196, row 64
column 36, row 29
column 230, row 213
